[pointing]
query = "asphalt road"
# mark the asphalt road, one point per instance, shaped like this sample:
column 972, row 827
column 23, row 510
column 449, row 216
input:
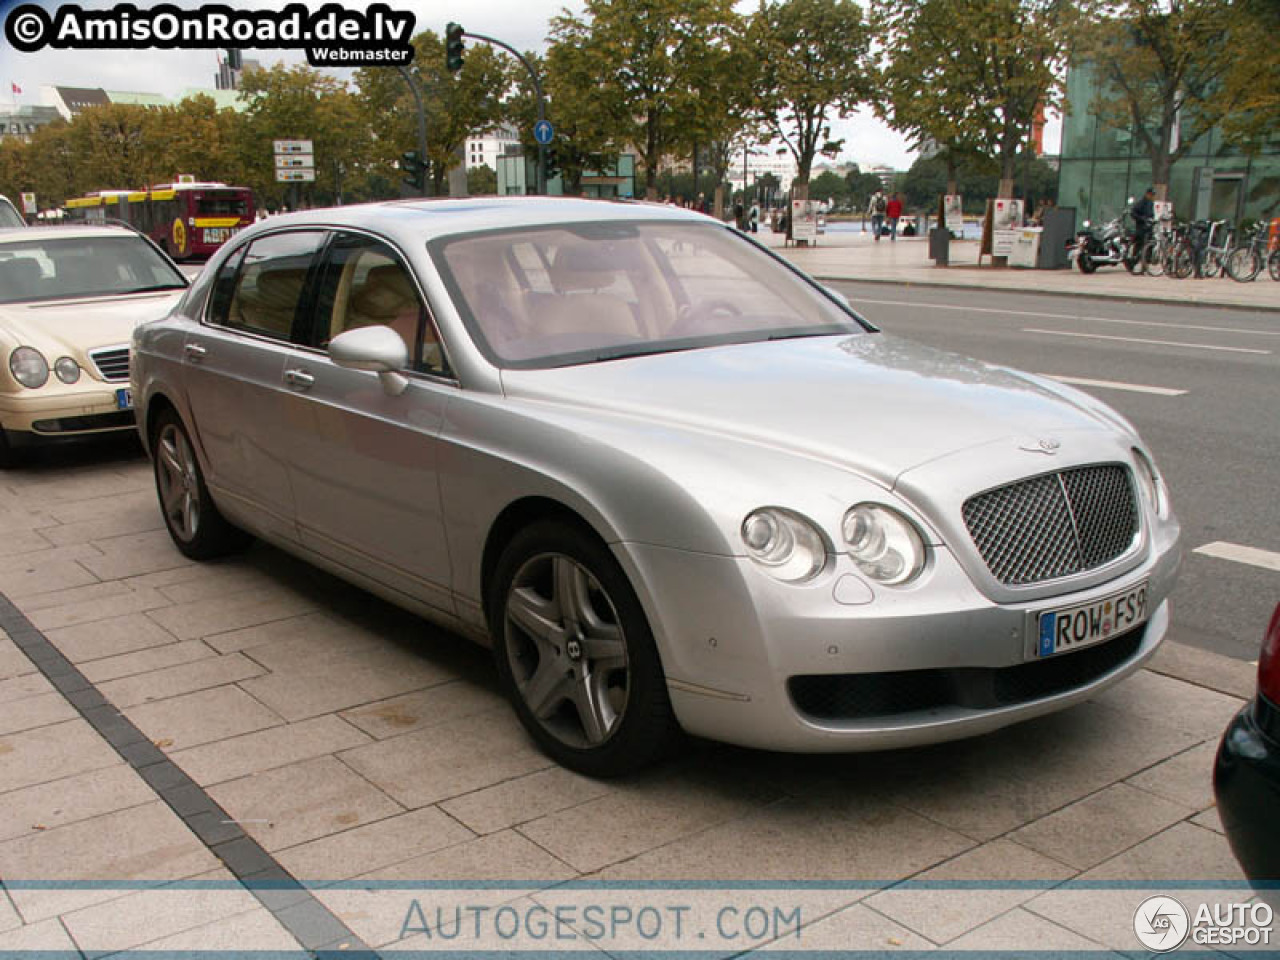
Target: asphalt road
column 1217, row 439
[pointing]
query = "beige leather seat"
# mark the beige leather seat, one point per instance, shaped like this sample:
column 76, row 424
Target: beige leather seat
column 386, row 297
column 579, row 274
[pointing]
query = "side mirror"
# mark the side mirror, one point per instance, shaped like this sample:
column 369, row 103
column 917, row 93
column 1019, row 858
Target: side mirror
column 375, row 348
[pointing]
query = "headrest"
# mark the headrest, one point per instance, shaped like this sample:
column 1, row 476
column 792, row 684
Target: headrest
column 583, row 267
column 386, row 293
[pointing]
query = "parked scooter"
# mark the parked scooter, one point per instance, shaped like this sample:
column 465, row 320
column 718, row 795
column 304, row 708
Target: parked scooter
column 1106, row 245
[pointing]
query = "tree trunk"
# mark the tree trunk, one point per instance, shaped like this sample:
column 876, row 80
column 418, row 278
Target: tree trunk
column 1006, row 187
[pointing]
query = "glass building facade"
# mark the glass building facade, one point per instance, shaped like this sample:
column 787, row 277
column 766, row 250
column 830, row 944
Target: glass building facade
column 1101, row 167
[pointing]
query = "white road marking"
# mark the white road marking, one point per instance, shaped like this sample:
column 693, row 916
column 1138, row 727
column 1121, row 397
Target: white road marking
column 1113, row 385
column 1067, row 316
column 1161, row 343
column 1234, row 551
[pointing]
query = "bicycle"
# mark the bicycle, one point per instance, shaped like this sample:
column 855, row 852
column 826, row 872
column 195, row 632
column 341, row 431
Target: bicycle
column 1157, row 247
column 1273, row 264
column 1244, row 263
column 1212, row 260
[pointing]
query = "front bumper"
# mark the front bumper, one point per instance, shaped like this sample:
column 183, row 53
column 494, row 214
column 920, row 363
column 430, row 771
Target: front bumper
column 1246, row 783
column 733, row 640
column 70, row 411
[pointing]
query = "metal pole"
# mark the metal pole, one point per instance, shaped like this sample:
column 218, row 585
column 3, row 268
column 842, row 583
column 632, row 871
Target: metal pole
column 537, row 87
column 422, row 119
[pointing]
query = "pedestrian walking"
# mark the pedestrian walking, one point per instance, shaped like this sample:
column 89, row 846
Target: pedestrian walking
column 893, row 210
column 754, row 217
column 876, row 210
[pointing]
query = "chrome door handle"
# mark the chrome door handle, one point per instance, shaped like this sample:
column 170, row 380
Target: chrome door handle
column 195, row 353
column 299, row 379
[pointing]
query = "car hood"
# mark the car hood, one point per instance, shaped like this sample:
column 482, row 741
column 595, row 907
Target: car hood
column 870, row 402
column 73, row 327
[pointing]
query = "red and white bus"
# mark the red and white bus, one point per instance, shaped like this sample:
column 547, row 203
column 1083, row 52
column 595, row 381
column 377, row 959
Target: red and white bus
column 189, row 219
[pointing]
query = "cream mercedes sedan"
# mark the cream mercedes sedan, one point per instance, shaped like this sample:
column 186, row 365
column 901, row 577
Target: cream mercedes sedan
column 69, row 300
column 673, row 481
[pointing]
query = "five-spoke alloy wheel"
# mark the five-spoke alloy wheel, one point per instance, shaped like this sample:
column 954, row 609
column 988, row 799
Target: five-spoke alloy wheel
column 575, row 652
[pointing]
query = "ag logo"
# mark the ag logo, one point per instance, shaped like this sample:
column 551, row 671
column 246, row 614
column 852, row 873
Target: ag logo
column 1161, row 923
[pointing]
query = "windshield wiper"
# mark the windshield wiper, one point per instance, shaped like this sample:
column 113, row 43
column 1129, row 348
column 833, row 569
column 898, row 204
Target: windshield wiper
column 157, row 286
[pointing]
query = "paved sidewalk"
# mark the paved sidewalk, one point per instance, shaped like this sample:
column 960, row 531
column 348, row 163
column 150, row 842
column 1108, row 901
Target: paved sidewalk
column 845, row 255
column 371, row 756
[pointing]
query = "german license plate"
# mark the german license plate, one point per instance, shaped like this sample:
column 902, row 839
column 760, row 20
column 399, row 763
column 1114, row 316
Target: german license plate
column 1090, row 623
column 124, row 399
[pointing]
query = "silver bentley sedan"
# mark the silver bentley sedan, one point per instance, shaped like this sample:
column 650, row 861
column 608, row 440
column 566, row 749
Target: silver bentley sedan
column 674, row 482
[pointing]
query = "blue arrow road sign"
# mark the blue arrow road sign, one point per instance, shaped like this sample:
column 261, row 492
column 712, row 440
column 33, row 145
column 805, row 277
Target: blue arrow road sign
column 543, row 132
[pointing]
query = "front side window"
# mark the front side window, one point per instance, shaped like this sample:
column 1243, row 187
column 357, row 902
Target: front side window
column 271, row 283
column 366, row 283
column 54, row 268
column 581, row 293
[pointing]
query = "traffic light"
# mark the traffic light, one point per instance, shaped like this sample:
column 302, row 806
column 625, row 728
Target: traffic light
column 234, row 59
column 414, row 169
column 453, row 47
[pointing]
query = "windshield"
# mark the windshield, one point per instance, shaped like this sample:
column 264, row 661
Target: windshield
column 52, row 268
column 222, row 203
column 552, row 296
column 9, row 216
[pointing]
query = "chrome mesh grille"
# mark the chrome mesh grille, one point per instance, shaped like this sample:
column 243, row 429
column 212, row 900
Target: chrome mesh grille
column 112, row 363
column 1054, row 525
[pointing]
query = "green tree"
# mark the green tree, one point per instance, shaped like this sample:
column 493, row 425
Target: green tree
column 829, row 187
column 457, row 105
column 1248, row 100
column 482, row 181
column 649, row 62
column 861, row 187
column 1163, row 70
column 812, row 56
column 986, row 68
column 978, row 182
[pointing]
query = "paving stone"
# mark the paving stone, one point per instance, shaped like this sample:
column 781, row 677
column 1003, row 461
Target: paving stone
column 1100, row 826
column 274, row 747
column 24, row 686
column 139, row 553
column 88, row 510
column 118, row 604
column 108, row 638
column 941, row 914
column 226, row 581
column 1206, row 669
column 1186, row 779
column 48, row 938
column 201, row 717
column 145, row 842
column 247, row 934
column 448, row 760
column 309, row 677
column 1201, row 712
column 311, row 924
column 147, row 915
column 20, row 541
column 1210, row 820
column 308, row 627
column 203, row 618
column 853, row 928
column 13, row 662
column 51, row 753
column 145, row 661
column 93, row 593
column 35, row 712
column 1018, row 930
column 9, row 918
column 184, row 678
column 124, row 519
column 373, row 846
column 301, row 802
column 524, row 799
column 39, row 572
column 796, row 838
column 438, row 704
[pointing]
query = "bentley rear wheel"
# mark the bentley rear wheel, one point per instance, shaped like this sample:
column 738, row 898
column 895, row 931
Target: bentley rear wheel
column 575, row 653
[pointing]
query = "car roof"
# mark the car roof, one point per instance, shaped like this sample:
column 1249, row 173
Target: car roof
column 35, row 234
column 430, row 218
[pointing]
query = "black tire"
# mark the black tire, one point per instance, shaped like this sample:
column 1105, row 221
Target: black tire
column 593, row 652
column 192, row 519
column 1152, row 262
column 1273, row 265
column 1243, row 264
column 9, row 457
column 1182, row 262
column 1085, row 262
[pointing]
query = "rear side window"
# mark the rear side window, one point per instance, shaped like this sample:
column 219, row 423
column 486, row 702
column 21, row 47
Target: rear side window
column 270, row 284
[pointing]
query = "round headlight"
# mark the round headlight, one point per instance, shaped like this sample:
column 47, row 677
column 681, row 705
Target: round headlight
column 66, row 369
column 884, row 544
column 29, row 367
column 1152, row 486
column 786, row 545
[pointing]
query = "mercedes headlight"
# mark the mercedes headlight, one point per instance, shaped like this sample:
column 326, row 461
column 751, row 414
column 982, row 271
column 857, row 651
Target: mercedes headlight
column 66, row 369
column 29, row 367
column 784, row 543
column 1153, row 490
column 884, row 544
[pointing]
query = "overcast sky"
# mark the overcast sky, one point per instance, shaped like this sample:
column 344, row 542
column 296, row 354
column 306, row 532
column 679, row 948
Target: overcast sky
column 522, row 23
